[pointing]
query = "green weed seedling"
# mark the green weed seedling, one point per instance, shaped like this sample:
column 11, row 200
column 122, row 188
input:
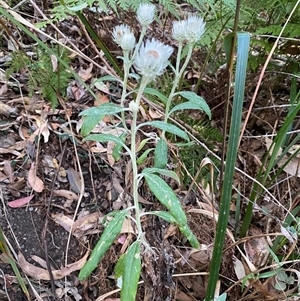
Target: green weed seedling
column 150, row 59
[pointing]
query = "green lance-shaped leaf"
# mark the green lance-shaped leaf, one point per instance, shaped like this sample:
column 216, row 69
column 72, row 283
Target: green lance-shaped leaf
column 161, row 154
column 141, row 159
column 166, row 196
column 105, row 138
column 194, row 102
column 119, row 267
column 156, row 93
column 105, row 78
column 171, row 128
column 132, row 272
column 107, row 238
column 187, row 232
column 92, row 116
column 165, row 216
column 117, row 150
column 163, row 172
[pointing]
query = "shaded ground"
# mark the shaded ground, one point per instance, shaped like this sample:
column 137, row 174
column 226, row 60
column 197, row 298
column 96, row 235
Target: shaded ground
column 41, row 228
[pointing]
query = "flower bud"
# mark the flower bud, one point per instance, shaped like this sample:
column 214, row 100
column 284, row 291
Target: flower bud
column 124, row 37
column 145, row 14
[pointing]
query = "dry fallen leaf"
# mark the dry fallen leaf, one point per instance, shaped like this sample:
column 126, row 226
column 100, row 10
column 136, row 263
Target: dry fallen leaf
column 66, row 194
column 74, row 179
column 154, row 114
column 81, row 225
column 3, row 89
column 86, row 223
column 20, row 202
column 239, row 269
column 63, row 220
column 76, row 92
column 6, row 110
column 86, row 74
column 42, row 274
column 34, row 181
column 180, row 295
column 293, row 166
column 54, row 62
column 256, row 248
column 110, row 148
column 9, row 171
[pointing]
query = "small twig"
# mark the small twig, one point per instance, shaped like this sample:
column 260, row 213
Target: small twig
column 81, row 182
column 44, row 232
column 111, row 70
column 4, row 285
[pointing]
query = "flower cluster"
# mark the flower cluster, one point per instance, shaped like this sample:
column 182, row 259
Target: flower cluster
column 152, row 58
column 189, row 30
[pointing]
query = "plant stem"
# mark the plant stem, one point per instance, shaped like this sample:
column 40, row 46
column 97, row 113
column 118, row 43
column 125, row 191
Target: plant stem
column 135, row 183
column 178, row 74
column 127, row 66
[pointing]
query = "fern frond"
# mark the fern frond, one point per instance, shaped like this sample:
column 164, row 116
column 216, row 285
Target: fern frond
column 291, row 30
column 170, row 6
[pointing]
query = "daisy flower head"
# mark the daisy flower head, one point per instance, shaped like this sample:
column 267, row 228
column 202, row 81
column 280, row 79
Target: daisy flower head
column 145, row 14
column 124, row 37
column 179, row 30
column 152, row 58
column 195, row 27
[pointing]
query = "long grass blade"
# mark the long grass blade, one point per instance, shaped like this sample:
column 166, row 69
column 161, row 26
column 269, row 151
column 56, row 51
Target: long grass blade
column 243, row 41
column 4, row 249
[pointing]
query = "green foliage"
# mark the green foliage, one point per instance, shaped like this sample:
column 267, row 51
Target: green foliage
column 44, row 73
column 243, row 42
column 290, row 31
column 19, row 62
column 132, row 271
column 63, row 9
column 192, row 155
column 129, row 266
column 107, row 238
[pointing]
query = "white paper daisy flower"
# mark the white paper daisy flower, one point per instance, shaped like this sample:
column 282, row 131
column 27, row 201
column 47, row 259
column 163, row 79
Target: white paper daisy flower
column 145, row 14
column 152, row 58
column 190, row 29
column 124, row 37
column 179, row 30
